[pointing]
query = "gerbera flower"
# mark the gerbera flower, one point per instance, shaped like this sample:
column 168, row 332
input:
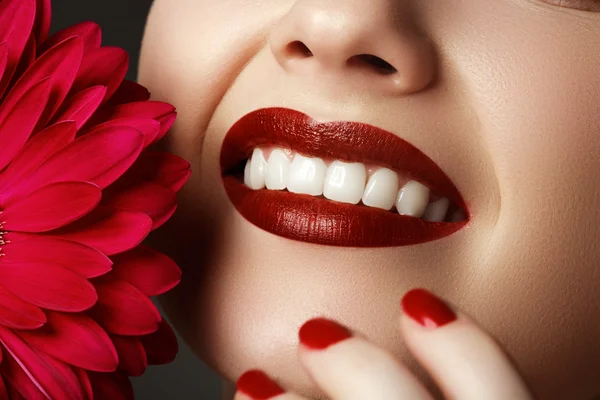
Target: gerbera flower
column 79, row 192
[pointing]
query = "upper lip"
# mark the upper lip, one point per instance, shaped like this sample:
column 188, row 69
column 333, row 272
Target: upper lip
column 316, row 220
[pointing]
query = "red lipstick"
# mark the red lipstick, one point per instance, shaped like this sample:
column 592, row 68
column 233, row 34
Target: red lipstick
column 319, row 220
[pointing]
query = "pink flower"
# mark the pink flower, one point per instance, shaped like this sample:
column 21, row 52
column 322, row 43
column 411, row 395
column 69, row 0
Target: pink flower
column 79, row 192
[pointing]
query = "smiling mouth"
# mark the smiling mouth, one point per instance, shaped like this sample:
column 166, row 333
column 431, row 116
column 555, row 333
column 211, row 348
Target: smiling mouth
column 336, row 183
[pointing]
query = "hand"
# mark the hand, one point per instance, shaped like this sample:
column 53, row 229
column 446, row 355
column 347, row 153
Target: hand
column 464, row 361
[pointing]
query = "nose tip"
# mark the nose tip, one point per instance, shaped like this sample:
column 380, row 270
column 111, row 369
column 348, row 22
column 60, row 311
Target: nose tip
column 366, row 41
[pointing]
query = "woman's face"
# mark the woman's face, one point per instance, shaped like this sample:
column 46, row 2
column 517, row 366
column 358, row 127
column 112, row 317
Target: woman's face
column 503, row 95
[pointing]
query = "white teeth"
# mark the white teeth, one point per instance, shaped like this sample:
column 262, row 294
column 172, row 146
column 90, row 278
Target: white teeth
column 381, row 189
column 257, row 171
column 436, row 210
column 345, row 182
column 412, row 199
column 307, row 175
column 278, row 168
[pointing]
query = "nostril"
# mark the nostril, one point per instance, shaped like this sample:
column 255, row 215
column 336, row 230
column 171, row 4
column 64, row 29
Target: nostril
column 298, row 49
column 380, row 65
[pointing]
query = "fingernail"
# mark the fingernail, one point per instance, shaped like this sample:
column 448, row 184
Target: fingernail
column 427, row 309
column 320, row 333
column 257, row 385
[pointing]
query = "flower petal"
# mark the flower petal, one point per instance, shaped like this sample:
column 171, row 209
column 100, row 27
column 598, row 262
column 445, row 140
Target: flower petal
column 124, row 310
column 129, row 92
column 84, row 380
column 132, row 356
column 104, row 66
column 38, row 150
column 79, row 258
column 80, row 107
column 148, row 127
column 89, row 32
column 137, row 109
column 3, row 390
column 27, row 58
column 75, row 339
column 60, row 63
column 55, row 379
column 14, row 395
column 166, row 122
column 51, row 207
column 19, row 383
column 43, row 15
column 113, row 386
column 161, row 346
column 3, row 59
column 99, row 157
column 153, row 273
column 16, row 21
column 13, row 17
column 48, row 286
column 107, row 230
column 154, row 200
column 166, row 169
column 18, row 314
column 20, row 119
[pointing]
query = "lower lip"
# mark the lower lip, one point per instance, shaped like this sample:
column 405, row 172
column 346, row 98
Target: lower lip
column 316, row 220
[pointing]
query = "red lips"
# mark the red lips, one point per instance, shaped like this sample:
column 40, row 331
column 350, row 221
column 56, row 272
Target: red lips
column 318, row 220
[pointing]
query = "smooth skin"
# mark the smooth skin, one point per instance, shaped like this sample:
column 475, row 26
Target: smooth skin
column 502, row 94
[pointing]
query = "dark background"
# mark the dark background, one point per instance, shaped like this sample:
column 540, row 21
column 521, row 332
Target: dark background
column 122, row 23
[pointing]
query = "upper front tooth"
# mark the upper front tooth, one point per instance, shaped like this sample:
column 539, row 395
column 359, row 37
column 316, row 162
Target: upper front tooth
column 277, row 170
column 307, row 175
column 258, row 170
column 412, row 199
column 345, row 182
column 381, row 189
column 436, row 210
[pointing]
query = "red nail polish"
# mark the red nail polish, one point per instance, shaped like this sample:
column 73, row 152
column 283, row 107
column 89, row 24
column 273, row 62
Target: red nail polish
column 257, row 385
column 427, row 309
column 320, row 333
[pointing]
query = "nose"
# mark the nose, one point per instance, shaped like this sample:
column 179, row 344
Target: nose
column 356, row 42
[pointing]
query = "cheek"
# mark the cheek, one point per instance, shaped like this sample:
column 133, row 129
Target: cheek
column 537, row 91
column 192, row 52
